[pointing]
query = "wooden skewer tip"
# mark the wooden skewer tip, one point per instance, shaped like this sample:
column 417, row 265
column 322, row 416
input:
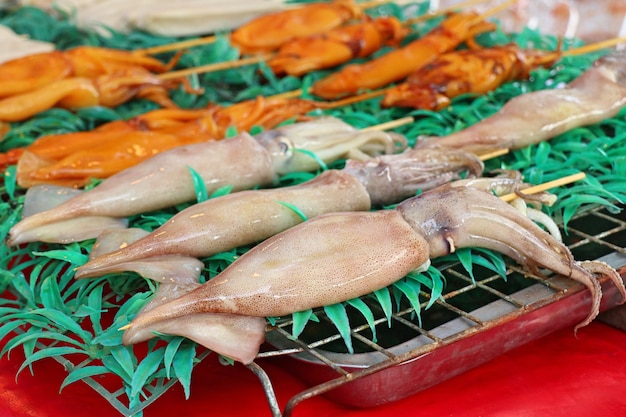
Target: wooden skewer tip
column 546, row 186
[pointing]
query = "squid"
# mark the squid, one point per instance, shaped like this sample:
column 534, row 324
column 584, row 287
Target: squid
column 359, row 40
column 58, row 146
column 475, row 71
column 241, row 162
column 267, row 33
column 246, row 217
column 32, row 72
column 597, row 94
column 109, row 90
column 400, row 63
column 339, row 256
column 74, row 159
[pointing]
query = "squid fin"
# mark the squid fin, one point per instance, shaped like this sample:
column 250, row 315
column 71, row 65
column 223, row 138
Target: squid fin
column 42, row 197
column 71, row 230
column 115, row 239
column 178, row 269
column 237, row 337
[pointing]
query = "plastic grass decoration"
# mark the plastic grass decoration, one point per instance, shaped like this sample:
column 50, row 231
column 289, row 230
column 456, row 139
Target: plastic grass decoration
column 48, row 314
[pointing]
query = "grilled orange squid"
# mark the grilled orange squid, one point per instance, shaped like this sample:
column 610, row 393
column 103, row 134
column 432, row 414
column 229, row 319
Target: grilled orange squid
column 400, row 63
column 72, row 159
column 470, row 71
column 32, row 72
column 336, row 47
column 108, row 90
column 58, row 146
column 267, row 33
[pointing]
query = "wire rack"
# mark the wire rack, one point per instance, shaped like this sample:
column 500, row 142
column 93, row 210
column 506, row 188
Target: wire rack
column 475, row 321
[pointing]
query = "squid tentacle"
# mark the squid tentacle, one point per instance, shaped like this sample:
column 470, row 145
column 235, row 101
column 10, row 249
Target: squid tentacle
column 465, row 218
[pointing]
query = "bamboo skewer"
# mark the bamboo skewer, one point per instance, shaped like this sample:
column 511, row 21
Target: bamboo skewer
column 545, row 186
column 213, row 67
column 389, row 125
column 410, row 119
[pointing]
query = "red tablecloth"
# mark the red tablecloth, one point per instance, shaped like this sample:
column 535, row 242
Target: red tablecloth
column 559, row 375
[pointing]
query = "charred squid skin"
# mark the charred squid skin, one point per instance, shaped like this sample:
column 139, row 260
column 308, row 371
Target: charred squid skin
column 457, row 217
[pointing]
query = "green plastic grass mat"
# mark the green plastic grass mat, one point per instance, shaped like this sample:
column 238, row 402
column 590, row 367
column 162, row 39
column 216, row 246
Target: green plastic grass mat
column 48, row 314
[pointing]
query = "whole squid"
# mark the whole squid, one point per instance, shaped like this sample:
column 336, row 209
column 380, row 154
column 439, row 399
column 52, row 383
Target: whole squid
column 230, row 221
column 597, row 94
column 339, row 256
column 241, row 162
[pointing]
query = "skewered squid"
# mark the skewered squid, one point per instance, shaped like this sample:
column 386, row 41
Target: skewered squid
column 597, row 94
column 336, row 47
column 340, row 256
column 122, row 145
column 57, row 146
column 400, row 63
column 241, row 162
column 32, row 72
column 267, row 33
column 242, row 218
column 475, row 71
column 110, row 90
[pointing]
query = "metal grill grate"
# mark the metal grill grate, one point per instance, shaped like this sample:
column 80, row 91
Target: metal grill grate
column 481, row 313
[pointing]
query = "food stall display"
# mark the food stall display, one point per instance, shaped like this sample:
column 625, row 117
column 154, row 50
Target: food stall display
column 302, row 216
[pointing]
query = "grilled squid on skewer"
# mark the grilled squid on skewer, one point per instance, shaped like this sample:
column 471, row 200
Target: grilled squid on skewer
column 74, row 159
column 32, row 72
column 336, row 47
column 475, row 71
column 340, row 256
column 597, row 94
column 267, row 33
column 246, row 217
column 164, row 180
column 400, row 63
column 108, row 90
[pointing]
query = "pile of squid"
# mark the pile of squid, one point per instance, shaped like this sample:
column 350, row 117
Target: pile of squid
column 309, row 228
column 303, row 232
